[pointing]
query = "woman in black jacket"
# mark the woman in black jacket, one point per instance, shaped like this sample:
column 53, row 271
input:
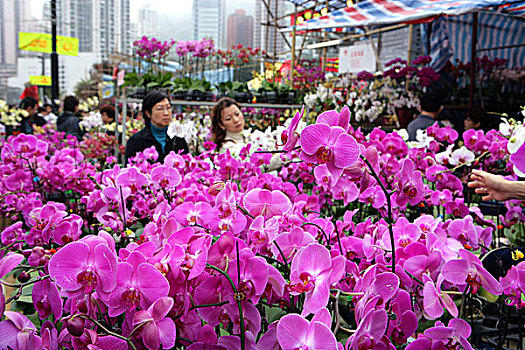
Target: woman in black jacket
column 156, row 110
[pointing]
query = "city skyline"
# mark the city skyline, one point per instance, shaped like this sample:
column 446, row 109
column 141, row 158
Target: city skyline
column 175, row 18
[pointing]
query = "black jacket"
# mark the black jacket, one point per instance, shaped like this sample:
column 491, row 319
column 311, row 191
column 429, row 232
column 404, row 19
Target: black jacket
column 26, row 125
column 145, row 139
column 68, row 123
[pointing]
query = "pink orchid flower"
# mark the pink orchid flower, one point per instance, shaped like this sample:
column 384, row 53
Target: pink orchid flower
column 470, row 271
column 138, row 283
column 157, row 329
column 440, row 336
column 85, row 266
column 18, row 332
column 189, row 213
column 266, row 203
column 435, row 300
column 313, row 272
column 328, row 145
column 294, row 332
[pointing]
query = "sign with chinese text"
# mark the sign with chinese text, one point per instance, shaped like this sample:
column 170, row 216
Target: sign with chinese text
column 40, row 80
column 41, row 42
column 357, row 58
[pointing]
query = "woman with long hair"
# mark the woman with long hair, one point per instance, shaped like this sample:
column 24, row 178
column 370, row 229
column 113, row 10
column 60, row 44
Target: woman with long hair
column 227, row 123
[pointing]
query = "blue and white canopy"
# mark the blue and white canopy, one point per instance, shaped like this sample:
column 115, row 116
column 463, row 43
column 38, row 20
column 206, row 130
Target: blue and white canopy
column 382, row 12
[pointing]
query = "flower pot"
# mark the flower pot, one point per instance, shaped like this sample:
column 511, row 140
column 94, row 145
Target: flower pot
column 190, row 95
column 179, row 95
column 138, row 92
column 208, row 96
column 271, row 96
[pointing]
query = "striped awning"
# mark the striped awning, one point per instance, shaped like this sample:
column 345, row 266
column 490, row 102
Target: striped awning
column 381, row 12
column 319, row 4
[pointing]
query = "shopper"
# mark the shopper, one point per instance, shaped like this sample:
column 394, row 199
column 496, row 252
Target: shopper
column 108, row 114
column 227, row 130
column 430, row 107
column 227, row 125
column 30, row 105
column 157, row 113
column 68, row 121
column 495, row 187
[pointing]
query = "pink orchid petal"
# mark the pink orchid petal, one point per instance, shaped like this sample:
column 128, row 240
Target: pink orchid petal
column 449, row 304
column 9, row 262
column 314, row 136
column 167, row 333
column 150, row 336
column 323, row 316
column 161, row 307
column 152, row 284
column 67, row 263
column 320, row 337
column 291, row 331
column 113, row 343
column 518, row 158
column 431, row 302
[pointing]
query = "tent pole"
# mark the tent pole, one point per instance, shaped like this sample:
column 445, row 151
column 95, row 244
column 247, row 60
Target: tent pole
column 292, row 62
column 323, row 65
column 473, row 59
column 275, row 38
column 409, row 53
column 267, row 32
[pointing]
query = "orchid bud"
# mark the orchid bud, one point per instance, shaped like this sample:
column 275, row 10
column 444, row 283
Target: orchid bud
column 75, row 326
column 24, row 277
column 82, row 306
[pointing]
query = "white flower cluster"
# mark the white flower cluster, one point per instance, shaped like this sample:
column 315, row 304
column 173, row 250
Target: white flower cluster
column 515, row 131
column 92, row 121
column 397, row 96
column 89, row 104
column 368, row 104
column 11, row 117
column 323, row 95
column 194, row 127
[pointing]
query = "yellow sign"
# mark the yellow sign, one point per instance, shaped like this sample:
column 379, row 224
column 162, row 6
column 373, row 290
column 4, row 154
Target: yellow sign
column 41, row 80
column 41, row 42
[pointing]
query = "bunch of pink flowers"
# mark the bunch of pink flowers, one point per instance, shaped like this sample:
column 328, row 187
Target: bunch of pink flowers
column 211, row 252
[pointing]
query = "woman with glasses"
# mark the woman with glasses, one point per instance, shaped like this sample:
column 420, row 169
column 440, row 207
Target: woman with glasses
column 157, row 113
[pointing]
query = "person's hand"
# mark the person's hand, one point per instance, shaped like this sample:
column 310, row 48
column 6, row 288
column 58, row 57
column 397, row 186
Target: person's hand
column 493, row 187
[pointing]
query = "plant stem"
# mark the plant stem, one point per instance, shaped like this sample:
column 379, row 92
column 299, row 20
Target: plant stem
column 235, row 291
column 284, row 259
column 389, row 203
column 324, row 233
column 106, row 330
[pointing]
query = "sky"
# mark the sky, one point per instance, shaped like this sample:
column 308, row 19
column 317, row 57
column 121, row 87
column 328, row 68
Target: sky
column 174, row 15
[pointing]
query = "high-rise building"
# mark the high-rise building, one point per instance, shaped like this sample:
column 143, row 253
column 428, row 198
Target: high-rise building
column 240, row 29
column 266, row 36
column 208, row 20
column 8, row 32
column 148, row 23
column 14, row 17
column 101, row 26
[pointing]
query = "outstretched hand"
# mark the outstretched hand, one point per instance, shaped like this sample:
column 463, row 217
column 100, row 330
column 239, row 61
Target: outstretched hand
column 493, row 187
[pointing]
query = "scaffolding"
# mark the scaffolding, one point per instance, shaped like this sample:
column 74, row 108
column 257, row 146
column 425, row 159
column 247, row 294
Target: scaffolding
column 322, row 39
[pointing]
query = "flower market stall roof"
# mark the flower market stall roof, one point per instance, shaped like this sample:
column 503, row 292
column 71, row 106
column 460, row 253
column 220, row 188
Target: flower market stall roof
column 317, row 5
column 381, row 12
